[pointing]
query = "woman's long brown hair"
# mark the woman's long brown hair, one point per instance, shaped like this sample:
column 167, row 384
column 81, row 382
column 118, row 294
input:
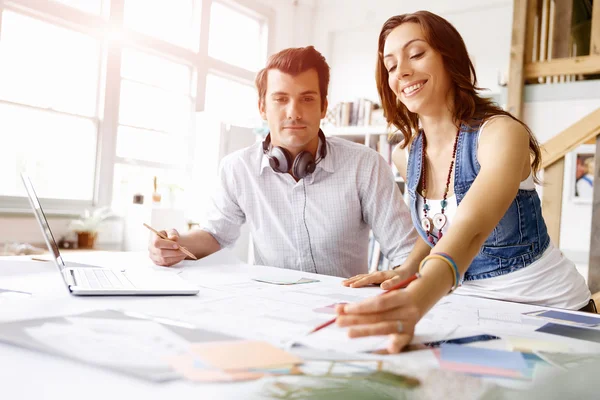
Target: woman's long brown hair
column 468, row 105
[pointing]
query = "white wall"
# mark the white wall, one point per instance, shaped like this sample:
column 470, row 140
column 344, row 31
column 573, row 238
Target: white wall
column 346, row 32
column 293, row 22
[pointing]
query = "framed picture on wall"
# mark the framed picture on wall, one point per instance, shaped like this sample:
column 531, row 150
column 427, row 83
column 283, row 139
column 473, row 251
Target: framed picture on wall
column 582, row 173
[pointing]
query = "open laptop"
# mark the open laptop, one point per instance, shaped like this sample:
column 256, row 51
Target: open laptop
column 89, row 280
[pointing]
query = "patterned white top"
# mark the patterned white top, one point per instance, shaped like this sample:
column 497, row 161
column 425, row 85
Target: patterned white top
column 319, row 224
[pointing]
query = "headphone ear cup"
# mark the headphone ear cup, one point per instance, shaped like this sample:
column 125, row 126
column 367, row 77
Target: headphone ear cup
column 304, row 165
column 280, row 159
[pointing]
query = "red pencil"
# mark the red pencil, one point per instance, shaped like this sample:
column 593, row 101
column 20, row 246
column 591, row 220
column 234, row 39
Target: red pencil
column 400, row 285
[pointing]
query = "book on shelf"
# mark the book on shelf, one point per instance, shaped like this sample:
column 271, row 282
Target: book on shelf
column 352, row 113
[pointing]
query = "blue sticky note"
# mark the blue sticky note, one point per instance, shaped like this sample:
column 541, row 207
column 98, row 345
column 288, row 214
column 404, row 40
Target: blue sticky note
column 483, row 357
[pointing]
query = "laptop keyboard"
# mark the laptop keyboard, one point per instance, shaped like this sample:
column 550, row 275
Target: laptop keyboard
column 102, row 279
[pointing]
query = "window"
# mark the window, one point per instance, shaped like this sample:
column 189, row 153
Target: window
column 55, row 150
column 174, row 21
column 130, row 179
column 48, row 102
column 232, row 102
column 81, row 103
column 243, row 47
column 47, row 66
column 88, row 6
column 155, row 124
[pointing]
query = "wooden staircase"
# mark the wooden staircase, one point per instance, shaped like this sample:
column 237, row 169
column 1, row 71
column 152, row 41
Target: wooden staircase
column 543, row 51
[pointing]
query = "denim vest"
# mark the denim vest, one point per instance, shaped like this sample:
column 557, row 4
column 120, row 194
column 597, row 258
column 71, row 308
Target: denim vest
column 520, row 237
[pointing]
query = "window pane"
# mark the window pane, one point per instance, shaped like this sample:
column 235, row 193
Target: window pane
column 48, row 66
column 132, row 179
column 157, row 71
column 225, row 95
column 89, row 6
column 168, row 20
column 56, row 150
column 149, row 107
column 244, row 48
column 140, row 144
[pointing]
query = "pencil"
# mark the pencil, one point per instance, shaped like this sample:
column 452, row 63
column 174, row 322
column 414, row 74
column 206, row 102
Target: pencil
column 183, row 249
column 400, row 285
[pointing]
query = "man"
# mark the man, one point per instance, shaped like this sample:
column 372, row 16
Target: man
column 310, row 201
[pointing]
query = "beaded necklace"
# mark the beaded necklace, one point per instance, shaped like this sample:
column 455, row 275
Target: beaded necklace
column 439, row 219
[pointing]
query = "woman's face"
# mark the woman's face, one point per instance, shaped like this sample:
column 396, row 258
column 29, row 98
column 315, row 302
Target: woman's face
column 416, row 71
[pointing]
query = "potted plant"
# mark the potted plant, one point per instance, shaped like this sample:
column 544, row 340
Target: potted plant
column 87, row 225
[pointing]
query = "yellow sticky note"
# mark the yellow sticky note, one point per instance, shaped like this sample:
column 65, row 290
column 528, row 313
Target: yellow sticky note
column 529, row 345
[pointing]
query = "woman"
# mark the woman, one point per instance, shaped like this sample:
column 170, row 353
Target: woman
column 470, row 175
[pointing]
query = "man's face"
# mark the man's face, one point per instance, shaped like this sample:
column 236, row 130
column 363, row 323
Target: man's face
column 293, row 109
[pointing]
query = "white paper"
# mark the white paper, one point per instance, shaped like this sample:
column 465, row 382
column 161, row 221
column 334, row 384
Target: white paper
column 427, row 331
column 220, row 258
column 126, row 343
column 489, row 314
column 42, row 284
column 336, row 338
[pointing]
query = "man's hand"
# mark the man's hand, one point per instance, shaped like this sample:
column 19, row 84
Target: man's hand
column 387, row 279
column 165, row 252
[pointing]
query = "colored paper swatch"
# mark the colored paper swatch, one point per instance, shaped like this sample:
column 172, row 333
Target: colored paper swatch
column 242, row 354
column 574, row 332
column 528, row 345
column 489, row 358
column 561, row 317
column 194, row 369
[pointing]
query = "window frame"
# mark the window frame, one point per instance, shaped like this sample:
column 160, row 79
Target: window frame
column 109, row 83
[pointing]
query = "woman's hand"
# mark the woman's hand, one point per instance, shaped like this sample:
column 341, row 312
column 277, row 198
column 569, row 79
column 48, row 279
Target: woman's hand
column 395, row 314
column 387, row 279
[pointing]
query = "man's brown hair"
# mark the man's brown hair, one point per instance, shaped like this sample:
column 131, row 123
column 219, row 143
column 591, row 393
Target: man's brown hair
column 294, row 61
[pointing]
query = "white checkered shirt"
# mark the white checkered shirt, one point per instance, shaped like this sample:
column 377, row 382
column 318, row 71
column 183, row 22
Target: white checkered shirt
column 326, row 216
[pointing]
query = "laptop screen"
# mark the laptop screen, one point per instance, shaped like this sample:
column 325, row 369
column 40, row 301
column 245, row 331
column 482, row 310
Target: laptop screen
column 39, row 214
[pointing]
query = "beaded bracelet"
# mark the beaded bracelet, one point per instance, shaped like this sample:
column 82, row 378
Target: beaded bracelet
column 448, row 260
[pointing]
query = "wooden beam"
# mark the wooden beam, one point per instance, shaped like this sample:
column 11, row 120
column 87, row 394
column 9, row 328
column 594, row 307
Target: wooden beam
column 539, row 13
column 563, row 66
column 554, row 177
column 594, row 263
column 517, row 52
column 530, row 33
column 595, row 34
column 566, row 141
column 545, row 41
column 561, row 29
